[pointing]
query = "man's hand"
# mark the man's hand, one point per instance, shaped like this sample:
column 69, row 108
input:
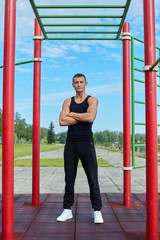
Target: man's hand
column 91, row 113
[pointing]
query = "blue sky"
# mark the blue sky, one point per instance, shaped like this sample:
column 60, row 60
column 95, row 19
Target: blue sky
column 100, row 61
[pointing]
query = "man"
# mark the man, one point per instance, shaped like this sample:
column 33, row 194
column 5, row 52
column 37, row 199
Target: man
column 78, row 113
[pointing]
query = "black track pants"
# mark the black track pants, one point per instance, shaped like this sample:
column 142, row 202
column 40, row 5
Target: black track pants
column 85, row 151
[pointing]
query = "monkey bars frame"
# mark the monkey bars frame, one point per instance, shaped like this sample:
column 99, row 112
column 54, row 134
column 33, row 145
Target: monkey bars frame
column 114, row 34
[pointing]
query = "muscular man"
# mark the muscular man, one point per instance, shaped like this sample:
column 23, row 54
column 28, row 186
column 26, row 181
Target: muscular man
column 78, row 113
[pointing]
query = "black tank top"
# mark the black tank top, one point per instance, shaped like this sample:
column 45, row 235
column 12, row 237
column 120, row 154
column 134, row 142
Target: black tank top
column 82, row 130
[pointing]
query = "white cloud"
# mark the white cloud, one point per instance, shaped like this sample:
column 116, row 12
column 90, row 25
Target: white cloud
column 26, row 48
column 110, row 44
column 26, row 103
column 53, row 104
column 57, row 50
column 110, row 88
column 79, row 48
column 23, row 69
column 96, row 73
column 135, row 9
column 106, row 89
column 104, row 76
column 53, row 51
column 55, row 66
column 70, row 58
column 116, row 56
column 56, row 79
column 54, row 98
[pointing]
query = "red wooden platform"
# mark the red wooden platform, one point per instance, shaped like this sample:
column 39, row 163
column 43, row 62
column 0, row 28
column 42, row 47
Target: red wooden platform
column 120, row 223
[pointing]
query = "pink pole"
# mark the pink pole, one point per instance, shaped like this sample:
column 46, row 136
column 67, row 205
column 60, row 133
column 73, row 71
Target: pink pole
column 126, row 117
column 8, row 122
column 36, row 116
column 151, row 123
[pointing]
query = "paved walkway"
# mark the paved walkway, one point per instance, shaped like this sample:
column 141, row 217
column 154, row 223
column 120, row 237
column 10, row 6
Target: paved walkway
column 110, row 178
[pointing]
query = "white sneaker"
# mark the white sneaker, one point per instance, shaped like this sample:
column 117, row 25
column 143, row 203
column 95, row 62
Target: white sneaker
column 98, row 217
column 66, row 214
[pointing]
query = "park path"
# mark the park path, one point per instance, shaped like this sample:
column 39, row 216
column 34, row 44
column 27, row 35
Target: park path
column 113, row 157
column 52, row 178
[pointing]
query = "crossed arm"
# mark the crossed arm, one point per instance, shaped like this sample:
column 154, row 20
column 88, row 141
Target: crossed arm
column 67, row 118
column 64, row 118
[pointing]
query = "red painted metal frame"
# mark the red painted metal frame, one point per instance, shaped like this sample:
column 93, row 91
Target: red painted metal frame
column 151, row 123
column 126, row 118
column 36, row 118
column 8, row 122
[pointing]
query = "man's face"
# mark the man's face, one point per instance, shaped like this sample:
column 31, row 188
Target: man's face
column 79, row 84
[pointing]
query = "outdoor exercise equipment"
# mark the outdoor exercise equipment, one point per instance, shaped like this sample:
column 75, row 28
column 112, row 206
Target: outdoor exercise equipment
column 8, row 122
column 134, row 99
column 36, row 115
column 48, row 35
column 151, row 105
column 126, row 116
column 151, row 121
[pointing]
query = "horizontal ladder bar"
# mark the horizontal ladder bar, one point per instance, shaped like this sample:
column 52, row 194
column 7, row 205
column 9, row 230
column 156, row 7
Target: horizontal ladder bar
column 139, row 70
column 81, row 38
column 139, row 59
column 80, row 25
column 158, row 105
column 21, row 63
column 141, row 81
column 139, row 102
column 139, row 40
column 141, row 166
column 140, row 145
column 137, row 80
column 76, row 32
column 143, row 124
column 80, row 6
column 80, row 16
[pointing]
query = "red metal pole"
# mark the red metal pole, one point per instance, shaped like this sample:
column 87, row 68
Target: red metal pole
column 126, row 116
column 36, row 116
column 151, row 123
column 8, row 122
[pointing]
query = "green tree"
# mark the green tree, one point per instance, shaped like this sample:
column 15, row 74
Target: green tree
column 28, row 132
column 120, row 138
column 45, row 140
column 20, row 126
column 61, row 137
column 43, row 132
column 51, row 134
column 15, row 137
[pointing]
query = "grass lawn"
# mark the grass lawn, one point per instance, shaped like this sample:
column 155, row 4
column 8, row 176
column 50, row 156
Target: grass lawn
column 21, row 150
column 54, row 163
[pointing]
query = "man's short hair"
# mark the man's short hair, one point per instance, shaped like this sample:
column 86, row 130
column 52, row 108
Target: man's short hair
column 79, row 75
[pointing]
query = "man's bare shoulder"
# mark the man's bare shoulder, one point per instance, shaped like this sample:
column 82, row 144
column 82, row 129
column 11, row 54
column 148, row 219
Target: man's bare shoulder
column 92, row 100
column 67, row 102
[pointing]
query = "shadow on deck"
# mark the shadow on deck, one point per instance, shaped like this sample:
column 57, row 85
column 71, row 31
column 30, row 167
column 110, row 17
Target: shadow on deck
column 40, row 223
